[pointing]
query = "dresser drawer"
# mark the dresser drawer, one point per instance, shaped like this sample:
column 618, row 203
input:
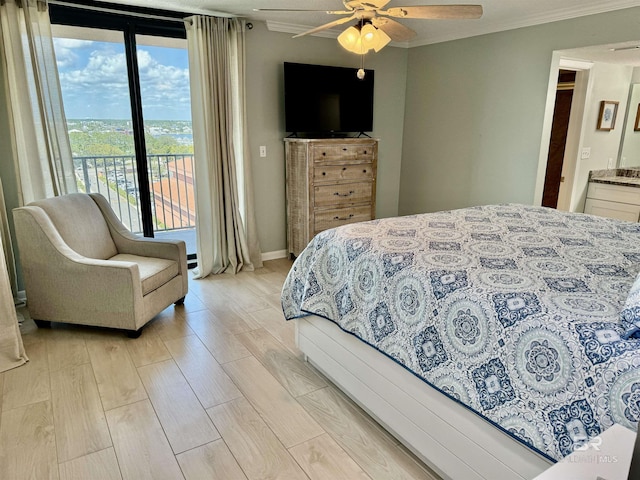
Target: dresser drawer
column 342, row 194
column 325, row 219
column 341, row 153
column 334, row 173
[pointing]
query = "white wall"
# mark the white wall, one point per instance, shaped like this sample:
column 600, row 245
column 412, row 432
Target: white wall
column 606, row 82
column 630, row 146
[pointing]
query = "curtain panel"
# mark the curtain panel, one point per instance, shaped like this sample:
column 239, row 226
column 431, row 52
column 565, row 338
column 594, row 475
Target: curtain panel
column 226, row 232
column 38, row 127
column 12, row 353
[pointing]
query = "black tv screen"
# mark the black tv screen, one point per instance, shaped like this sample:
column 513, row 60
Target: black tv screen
column 323, row 100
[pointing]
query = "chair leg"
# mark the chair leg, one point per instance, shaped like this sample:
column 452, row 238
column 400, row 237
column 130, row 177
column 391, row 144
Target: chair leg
column 134, row 333
column 43, row 323
column 179, row 302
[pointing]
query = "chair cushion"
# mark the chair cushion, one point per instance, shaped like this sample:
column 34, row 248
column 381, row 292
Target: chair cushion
column 154, row 272
column 81, row 224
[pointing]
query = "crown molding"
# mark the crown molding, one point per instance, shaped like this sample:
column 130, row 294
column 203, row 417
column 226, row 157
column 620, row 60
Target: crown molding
column 529, row 21
column 472, row 29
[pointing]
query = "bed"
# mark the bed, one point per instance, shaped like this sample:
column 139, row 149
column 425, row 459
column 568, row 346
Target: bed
column 487, row 339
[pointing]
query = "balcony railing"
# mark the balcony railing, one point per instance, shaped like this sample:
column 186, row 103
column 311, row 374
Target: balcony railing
column 170, row 183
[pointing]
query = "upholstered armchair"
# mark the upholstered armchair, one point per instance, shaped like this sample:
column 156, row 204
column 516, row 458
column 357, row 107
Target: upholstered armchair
column 81, row 265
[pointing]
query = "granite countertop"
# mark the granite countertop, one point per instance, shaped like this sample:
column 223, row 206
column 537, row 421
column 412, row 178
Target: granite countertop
column 628, row 177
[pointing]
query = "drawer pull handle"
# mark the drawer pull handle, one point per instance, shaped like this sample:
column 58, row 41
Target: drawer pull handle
column 343, row 218
column 324, row 173
column 344, row 168
column 344, row 149
column 364, row 171
column 365, row 152
column 338, row 194
column 324, row 154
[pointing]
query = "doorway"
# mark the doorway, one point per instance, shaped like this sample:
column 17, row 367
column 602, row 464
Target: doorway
column 557, row 144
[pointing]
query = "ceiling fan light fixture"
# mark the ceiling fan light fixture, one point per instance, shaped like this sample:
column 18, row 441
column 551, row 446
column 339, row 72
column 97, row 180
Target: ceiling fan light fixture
column 360, row 39
column 368, row 34
column 350, row 39
column 382, row 39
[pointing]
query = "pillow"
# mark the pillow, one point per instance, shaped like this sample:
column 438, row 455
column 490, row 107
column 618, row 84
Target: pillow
column 630, row 315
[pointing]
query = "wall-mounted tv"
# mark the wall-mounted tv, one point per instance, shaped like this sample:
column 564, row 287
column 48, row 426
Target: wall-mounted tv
column 327, row 101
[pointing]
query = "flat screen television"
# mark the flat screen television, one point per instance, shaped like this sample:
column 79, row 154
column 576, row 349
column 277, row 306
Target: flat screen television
column 327, row 101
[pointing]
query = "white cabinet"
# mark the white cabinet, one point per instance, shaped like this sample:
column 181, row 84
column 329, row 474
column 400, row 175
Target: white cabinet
column 613, row 201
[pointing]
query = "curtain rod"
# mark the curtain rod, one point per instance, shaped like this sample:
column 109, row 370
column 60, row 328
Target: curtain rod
column 137, row 14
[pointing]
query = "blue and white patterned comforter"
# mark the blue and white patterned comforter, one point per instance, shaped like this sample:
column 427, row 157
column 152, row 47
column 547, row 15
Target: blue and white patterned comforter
column 511, row 310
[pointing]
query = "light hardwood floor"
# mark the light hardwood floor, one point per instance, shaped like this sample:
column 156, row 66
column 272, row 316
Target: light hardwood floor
column 214, row 389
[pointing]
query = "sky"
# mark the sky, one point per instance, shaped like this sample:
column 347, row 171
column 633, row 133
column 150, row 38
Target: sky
column 93, row 78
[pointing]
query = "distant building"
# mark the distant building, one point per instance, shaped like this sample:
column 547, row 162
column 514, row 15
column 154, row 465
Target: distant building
column 174, row 195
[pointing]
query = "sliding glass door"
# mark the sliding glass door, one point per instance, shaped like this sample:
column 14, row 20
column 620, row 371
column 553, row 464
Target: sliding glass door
column 163, row 67
column 126, row 99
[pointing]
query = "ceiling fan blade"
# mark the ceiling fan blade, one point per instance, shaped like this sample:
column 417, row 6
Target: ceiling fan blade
column 396, row 31
column 437, row 12
column 333, row 12
column 335, row 23
column 367, row 4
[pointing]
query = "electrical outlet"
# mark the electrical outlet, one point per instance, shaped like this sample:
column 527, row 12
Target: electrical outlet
column 263, row 151
column 585, row 153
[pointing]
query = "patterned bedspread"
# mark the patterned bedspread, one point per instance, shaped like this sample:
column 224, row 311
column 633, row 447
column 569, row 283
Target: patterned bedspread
column 510, row 310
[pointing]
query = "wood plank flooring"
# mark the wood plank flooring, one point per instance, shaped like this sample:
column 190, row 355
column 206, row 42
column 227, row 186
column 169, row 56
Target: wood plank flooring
column 214, row 389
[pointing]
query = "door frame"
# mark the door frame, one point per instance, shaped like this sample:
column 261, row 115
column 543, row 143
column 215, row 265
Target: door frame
column 574, row 132
column 130, row 25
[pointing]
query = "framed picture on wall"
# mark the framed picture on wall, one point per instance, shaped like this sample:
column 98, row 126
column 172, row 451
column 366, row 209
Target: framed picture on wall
column 636, row 126
column 607, row 115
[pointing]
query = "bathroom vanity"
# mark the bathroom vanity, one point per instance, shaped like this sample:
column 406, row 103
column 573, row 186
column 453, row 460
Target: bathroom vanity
column 614, row 193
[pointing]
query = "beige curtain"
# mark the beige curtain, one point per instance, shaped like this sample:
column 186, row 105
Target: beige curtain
column 225, row 225
column 38, row 128
column 12, row 352
column 5, row 238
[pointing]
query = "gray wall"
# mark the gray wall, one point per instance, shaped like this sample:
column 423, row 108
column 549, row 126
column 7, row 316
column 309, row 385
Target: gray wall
column 475, row 109
column 266, row 52
column 469, row 134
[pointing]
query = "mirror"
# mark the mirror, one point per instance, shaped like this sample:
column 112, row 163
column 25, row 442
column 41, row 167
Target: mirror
column 630, row 143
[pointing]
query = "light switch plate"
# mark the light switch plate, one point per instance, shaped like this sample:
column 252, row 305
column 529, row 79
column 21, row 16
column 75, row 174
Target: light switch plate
column 586, row 153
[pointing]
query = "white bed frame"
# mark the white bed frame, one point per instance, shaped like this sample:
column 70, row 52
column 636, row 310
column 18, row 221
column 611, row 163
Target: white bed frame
column 455, row 442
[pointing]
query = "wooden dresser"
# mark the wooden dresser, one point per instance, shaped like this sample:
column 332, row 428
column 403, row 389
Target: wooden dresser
column 330, row 182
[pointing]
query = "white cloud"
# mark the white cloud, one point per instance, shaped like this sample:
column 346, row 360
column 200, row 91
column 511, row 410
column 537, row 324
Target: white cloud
column 103, row 80
column 65, row 50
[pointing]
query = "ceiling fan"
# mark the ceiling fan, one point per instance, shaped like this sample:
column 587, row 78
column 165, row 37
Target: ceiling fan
column 372, row 19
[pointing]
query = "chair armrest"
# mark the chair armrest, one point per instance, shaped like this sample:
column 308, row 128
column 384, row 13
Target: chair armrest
column 126, row 242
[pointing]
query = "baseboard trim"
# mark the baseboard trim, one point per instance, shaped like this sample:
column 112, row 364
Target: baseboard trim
column 274, row 255
column 21, row 299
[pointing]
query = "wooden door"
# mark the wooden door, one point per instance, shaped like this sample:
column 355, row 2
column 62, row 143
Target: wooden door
column 559, row 128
